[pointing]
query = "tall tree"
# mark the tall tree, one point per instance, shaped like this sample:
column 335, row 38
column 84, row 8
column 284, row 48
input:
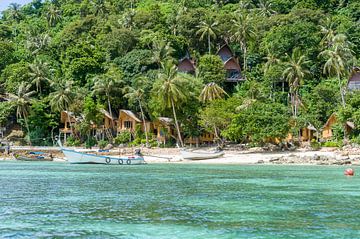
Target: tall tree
column 265, row 8
column 53, row 15
column 39, row 72
column 207, row 28
column 108, row 83
column 14, row 12
column 162, row 51
column 22, row 101
column 339, row 59
column 62, row 97
column 211, row 92
column 294, row 73
column 243, row 32
column 170, row 91
column 136, row 94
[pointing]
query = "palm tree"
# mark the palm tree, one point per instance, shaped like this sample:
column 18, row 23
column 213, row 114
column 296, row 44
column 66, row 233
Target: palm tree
column 107, row 84
column 99, row 7
column 62, row 97
column 211, row 91
column 37, row 43
column 271, row 60
column 137, row 94
column 265, row 8
column 39, row 72
column 53, row 15
column 207, row 28
column 162, row 51
column 339, row 58
column 170, row 90
column 22, row 102
column 243, row 32
column 14, row 11
column 294, row 73
column 329, row 31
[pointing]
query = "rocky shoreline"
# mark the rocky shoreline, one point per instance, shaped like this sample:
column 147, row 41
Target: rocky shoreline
column 314, row 160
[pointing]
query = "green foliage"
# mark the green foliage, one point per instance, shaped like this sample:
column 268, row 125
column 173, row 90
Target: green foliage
column 73, row 142
column 89, row 45
column 211, row 69
column 90, row 142
column 260, row 122
column 123, row 137
column 331, row 144
column 42, row 123
column 13, row 75
column 6, row 109
column 315, row 144
column 102, row 144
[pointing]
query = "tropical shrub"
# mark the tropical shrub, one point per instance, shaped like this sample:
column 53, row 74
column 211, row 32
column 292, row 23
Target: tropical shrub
column 123, row 137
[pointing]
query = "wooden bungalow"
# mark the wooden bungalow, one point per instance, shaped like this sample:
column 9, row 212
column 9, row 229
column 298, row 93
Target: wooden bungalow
column 68, row 120
column 354, row 80
column 205, row 138
column 108, row 126
column 187, row 65
column 327, row 131
column 163, row 129
column 129, row 121
column 231, row 64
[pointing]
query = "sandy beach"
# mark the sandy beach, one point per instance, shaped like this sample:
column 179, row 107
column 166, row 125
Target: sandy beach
column 326, row 156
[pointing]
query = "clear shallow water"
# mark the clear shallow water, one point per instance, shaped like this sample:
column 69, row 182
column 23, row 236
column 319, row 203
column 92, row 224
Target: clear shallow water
column 177, row 201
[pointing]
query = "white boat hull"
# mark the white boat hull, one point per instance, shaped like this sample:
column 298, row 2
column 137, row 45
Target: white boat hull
column 194, row 155
column 75, row 157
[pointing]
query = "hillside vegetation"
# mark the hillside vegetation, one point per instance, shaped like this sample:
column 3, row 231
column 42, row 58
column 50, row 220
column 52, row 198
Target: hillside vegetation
column 83, row 56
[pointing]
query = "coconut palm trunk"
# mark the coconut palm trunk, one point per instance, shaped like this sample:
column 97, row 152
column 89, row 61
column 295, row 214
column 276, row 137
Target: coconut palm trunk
column 177, row 124
column 27, row 128
column 145, row 127
column 209, row 43
column 341, row 92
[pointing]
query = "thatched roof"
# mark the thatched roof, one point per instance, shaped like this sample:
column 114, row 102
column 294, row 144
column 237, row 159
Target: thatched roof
column 131, row 114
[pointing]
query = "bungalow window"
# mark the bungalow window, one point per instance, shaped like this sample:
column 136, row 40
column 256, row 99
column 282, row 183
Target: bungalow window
column 233, row 74
column 128, row 125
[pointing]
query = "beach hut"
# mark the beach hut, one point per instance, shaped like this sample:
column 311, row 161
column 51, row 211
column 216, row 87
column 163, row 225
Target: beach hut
column 163, row 128
column 107, row 127
column 354, row 80
column 187, row 65
column 327, row 129
column 231, row 64
column 204, row 138
column 129, row 121
column 68, row 120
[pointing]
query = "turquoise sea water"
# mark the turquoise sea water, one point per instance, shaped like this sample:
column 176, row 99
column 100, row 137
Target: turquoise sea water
column 177, row 201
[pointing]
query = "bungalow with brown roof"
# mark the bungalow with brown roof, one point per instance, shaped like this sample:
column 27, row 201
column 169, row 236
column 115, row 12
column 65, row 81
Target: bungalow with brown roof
column 163, row 129
column 354, row 80
column 231, row 64
column 68, row 120
column 128, row 120
column 187, row 65
column 327, row 129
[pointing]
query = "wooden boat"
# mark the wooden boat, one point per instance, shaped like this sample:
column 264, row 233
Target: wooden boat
column 199, row 155
column 34, row 156
column 76, row 157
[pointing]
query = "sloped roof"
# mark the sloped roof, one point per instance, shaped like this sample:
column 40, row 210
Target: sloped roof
column 131, row 114
column 165, row 120
column 311, row 127
column 225, row 46
column 350, row 124
column 107, row 114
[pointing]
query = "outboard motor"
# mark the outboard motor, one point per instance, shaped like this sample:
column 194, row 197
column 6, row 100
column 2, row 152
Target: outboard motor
column 138, row 152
